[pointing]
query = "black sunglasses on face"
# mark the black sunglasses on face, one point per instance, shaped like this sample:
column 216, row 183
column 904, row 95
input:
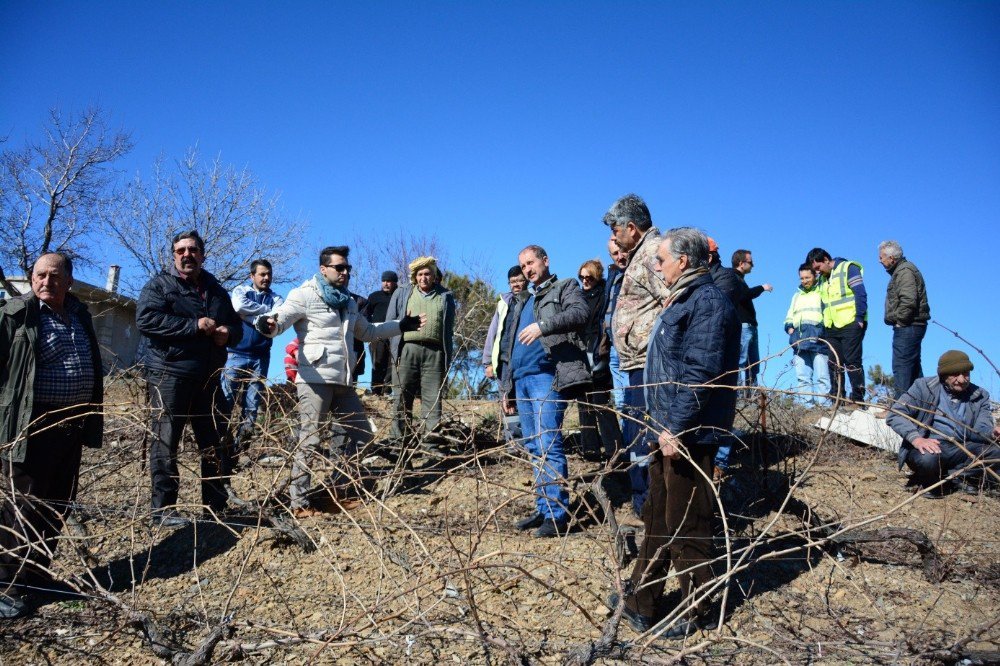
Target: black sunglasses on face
column 340, row 268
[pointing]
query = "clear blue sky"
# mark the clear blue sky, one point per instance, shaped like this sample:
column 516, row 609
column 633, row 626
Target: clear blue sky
column 775, row 126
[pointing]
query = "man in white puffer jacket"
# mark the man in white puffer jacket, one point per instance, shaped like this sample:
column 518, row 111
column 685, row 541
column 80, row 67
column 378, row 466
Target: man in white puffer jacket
column 327, row 321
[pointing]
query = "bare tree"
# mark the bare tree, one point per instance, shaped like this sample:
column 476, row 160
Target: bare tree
column 373, row 255
column 238, row 217
column 52, row 190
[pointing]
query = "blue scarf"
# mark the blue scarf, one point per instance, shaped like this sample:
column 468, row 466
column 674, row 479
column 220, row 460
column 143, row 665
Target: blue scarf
column 334, row 297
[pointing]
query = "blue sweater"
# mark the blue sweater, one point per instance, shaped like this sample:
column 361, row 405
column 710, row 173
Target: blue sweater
column 529, row 359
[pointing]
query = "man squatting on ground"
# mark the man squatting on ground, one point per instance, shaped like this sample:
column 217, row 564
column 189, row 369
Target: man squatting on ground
column 247, row 366
column 907, row 311
column 804, row 325
column 421, row 357
column 189, row 320
column 946, row 422
column 375, row 312
column 542, row 359
column 327, row 321
column 845, row 319
column 640, row 301
column 50, row 373
column 690, row 375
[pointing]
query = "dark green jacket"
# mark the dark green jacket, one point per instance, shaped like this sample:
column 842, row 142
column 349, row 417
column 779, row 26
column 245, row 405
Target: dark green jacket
column 20, row 320
column 906, row 297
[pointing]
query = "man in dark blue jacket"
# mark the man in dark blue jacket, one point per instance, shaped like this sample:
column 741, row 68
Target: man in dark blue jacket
column 690, row 377
column 188, row 320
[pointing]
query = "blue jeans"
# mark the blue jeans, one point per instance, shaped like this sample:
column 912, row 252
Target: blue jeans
column 242, row 382
column 619, row 379
column 812, row 370
column 633, row 435
column 906, row 366
column 541, row 409
column 749, row 354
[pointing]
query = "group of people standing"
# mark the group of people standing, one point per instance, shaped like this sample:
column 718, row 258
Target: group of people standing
column 668, row 326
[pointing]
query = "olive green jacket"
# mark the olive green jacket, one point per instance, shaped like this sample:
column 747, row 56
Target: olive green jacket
column 906, row 297
column 20, row 320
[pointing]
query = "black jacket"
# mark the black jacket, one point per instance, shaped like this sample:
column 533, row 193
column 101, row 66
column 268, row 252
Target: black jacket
column 167, row 315
column 727, row 281
column 691, row 366
column 561, row 313
column 594, row 332
column 745, row 294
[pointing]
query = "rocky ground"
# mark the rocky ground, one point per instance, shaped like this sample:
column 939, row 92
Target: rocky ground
column 428, row 568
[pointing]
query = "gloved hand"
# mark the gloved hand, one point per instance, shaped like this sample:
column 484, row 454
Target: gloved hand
column 410, row 323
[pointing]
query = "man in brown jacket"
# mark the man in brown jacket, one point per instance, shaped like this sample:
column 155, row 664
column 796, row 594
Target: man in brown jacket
column 907, row 311
column 639, row 302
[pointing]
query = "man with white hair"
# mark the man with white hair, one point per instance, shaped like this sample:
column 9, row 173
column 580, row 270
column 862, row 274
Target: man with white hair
column 907, row 311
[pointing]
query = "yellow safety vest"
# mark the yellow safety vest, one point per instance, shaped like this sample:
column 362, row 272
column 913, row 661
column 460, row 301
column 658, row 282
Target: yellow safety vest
column 806, row 308
column 839, row 308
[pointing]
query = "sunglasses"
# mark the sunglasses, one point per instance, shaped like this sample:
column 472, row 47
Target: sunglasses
column 181, row 251
column 586, row 277
column 340, row 268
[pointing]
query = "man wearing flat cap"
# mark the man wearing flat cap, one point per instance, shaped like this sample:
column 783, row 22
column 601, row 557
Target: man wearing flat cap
column 420, row 358
column 947, row 427
column 375, row 312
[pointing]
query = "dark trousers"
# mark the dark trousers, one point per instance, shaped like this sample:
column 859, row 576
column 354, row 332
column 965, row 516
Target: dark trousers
column 175, row 401
column 846, row 343
column 635, row 411
column 37, row 494
column 906, row 366
column 599, row 429
column 381, row 361
column 420, row 372
column 929, row 468
column 678, row 520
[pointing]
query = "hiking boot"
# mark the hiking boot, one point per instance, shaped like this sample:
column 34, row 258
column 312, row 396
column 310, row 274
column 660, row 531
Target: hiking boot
column 639, row 623
column 551, row 528
column 529, row 523
column 169, row 519
column 306, row 512
column 12, row 606
column 683, row 628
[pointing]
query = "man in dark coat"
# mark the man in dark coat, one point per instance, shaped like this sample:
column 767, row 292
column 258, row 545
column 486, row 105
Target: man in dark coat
column 375, row 312
column 542, row 359
column 690, row 378
column 188, row 320
column 51, row 378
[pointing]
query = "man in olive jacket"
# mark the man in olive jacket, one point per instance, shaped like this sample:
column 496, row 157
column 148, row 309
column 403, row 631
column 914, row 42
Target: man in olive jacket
column 542, row 358
column 51, row 391
column 907, row 311
column 188, row 319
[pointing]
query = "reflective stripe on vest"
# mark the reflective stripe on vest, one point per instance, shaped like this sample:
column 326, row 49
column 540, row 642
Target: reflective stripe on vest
column 838, row 298
column 807, row 308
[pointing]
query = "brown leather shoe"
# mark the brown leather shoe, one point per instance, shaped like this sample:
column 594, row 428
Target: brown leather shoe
column 306, row 512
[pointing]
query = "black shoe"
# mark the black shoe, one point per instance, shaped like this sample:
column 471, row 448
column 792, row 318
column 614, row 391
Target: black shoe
column 170, row 519
column 551, row 528
column 682, row 629
column 12, row 606
column 639, row 623
column 529, row 523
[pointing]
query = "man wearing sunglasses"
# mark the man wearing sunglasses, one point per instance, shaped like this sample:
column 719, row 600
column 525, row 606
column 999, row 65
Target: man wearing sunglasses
column 327, row 322
column 188, row 320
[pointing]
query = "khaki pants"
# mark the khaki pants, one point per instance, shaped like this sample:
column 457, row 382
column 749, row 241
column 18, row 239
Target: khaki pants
column 338, row 409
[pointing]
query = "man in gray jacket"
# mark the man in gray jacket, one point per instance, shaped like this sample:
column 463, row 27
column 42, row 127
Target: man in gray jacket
column 947, row 427
column 907, row 311
column 542, row 358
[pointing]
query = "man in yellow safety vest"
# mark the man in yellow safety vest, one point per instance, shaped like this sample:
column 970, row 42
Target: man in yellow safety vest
column 845, row 318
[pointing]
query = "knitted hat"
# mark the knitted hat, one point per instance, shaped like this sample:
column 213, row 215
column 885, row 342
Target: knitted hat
column 421, row 263
column 954, row 362
column 390, row 276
